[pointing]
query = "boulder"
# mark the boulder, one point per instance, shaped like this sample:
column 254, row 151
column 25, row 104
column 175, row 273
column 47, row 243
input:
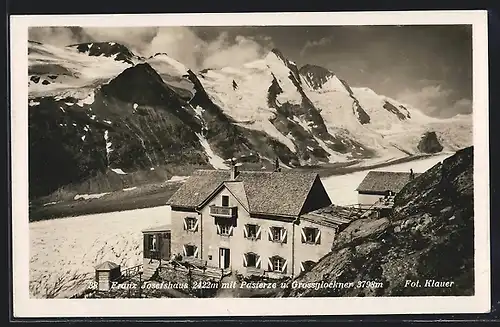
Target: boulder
column 429, row 143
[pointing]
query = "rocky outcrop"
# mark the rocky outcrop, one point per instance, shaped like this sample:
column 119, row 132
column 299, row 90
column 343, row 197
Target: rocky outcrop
column 315, row 75
column 107, row 49
column 424, row 248
column 71, row 140
column 429, row 143
column 393, row 109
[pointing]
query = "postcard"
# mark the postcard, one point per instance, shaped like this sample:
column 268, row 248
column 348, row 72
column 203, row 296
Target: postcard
column 265, row 164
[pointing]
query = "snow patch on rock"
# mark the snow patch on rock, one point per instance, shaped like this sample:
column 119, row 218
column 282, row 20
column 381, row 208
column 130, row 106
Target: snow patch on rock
column 89, row 196
column 216, row 161
column 119, row 171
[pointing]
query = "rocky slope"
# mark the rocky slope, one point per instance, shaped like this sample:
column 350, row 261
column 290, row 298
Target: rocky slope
column 429, row 236
column 97, row 108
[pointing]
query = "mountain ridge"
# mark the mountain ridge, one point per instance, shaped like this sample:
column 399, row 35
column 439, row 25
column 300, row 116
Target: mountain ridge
column 155, row 111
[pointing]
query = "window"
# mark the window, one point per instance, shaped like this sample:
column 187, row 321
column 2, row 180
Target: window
column 311, row 235
column 277, row 234
column 251, row 260
column 190, row 251
column 252, row 231
column 277, row 264
column 191, row 224
column 225, row 229
column 225, row 201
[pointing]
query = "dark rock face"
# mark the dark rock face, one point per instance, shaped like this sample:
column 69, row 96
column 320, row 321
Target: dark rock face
column 357, row 109
column 107, row 49
column 316, row 76
column 142, row 129
column 428, row 237
column 393, row 109
column 429, row 143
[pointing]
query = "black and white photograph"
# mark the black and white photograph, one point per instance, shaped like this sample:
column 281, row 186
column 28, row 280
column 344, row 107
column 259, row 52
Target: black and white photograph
column 224, row 161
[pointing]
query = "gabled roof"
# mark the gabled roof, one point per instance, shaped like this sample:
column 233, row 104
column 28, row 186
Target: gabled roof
column 238, row 190
column 381, row 181
column 272, row 193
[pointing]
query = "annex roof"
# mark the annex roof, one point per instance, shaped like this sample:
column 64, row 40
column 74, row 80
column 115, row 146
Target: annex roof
column 381, row 181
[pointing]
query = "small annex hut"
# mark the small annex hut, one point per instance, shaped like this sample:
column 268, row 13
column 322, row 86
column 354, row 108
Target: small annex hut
column 105, row 273
column 156, row 245
column 379, row 184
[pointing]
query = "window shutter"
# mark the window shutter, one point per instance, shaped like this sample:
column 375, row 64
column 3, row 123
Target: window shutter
column 185, row 224
column 257, row 236
column 269, row 264
column 270, row 233
column 196, row 252
column 244, row 260
column 303, row 235
column 195, row 228
column 184, row 251
column 302, row 267
column 318, row 236
column 231, row 230
column 218, row 229
column 283, row 270
column 283, row 235
column 258, row 262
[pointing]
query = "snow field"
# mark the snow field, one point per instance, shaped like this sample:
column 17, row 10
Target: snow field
column 64, row 252
column 342, row 188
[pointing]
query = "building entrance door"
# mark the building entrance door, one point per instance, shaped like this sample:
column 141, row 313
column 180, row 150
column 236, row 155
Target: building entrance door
column 224, row 258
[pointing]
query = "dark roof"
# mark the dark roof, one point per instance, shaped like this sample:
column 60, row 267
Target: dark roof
column 162, row 228
column 106, row 265
column 273, row 193
column 333, row 215
column 381, row 181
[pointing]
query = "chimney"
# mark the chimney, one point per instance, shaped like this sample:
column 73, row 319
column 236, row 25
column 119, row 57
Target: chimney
column 277, row 165
column 412, row 175
column 234, row 169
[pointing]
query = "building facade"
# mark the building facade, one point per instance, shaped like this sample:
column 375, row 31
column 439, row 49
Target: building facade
column 254, row 223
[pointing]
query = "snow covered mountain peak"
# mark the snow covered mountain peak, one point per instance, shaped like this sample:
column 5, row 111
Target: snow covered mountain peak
column 321, row 79
column 158, row 111
column 117, row 51
column 165, row 64
column 276, row 53
column 56, row 70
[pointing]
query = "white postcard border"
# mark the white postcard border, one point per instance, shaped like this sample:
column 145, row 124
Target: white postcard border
column 24, row 306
